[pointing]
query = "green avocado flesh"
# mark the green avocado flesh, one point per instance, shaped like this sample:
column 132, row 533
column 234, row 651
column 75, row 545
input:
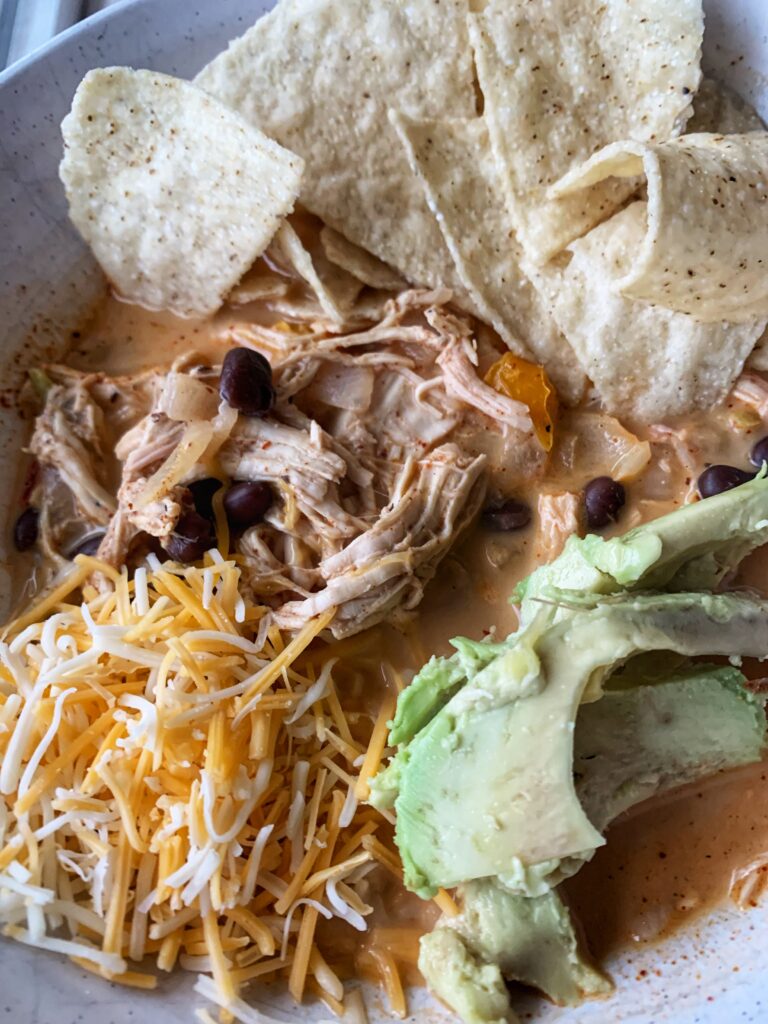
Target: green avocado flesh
column 636, row 741
column 639, row 741
column 499, row 936
column 471, row 988
column 514, row 757
column 488, row 784
column 692, row 548
column 531, row 940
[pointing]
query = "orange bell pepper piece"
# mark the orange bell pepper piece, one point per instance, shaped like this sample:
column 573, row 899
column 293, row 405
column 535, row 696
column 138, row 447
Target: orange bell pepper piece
column 528, row 383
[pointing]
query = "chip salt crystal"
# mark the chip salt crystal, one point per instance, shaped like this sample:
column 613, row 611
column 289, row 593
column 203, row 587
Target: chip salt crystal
column 175, row 193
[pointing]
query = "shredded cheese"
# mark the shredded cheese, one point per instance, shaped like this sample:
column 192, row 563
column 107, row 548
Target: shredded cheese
column 375, row 752
column 179, row 780
column 446, row 903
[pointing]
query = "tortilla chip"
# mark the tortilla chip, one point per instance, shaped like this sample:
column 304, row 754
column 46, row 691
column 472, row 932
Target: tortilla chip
column 465, row 190
column 356, row 261
column 175, row 194
column 319, row 75
column 716, row 108
column 646, row 362
column 334, row 288
column 560, row 80
column 704, row 248
column 258, row 285
column 758, row 360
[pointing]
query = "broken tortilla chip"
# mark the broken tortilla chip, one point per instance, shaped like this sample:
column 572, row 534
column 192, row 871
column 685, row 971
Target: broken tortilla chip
column 175, row 194
column 465, row 190
column 561, row 80
column 319, row 75
column 704, row 248
column 717, row 108
column 758, row 360
column 646, row 362
column 356, row 261
column 334, row 288
column 258, row 285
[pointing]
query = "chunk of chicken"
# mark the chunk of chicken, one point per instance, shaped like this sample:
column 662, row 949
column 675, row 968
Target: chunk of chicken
column 68, row 436
column 559, row 516
column 389, row 565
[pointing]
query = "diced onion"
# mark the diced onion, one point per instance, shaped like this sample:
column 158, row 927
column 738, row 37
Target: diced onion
column 595, row 444
column 186, row 399
column 194, row 441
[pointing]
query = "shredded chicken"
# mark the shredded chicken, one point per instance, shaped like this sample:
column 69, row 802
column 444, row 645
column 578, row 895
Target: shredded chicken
column 117, row 541
column 146, row 446
column 376, row 450
column 752, row 391
column 68, row 435
column 686, row 451
column 458, row 361
column 558, row 518
column 72, row 442
column 389, row 564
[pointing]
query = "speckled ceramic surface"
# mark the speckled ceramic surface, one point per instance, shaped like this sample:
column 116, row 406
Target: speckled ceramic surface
column 714, row 974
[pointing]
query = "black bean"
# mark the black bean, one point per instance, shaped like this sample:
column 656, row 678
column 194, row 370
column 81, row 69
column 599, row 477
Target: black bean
column 716, row 479
column 89, row 546
column 508, row 516
column 202, row 495
column 25, row 529
column 759, row 453
column 246, row 502
column 604, row 498
column 191, row 538
column 246, row 382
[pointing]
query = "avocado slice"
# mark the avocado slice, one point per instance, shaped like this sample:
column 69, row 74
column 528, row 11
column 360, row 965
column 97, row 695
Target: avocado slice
column 641, row 740
column 441, row 678
column 531, row 940
column 512, row 762
column 436, row 683
column 472, row 989
column 487, row 787
column 429, row 691
column 692, row 548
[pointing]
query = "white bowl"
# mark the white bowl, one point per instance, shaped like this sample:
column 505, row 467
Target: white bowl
column 47, row 281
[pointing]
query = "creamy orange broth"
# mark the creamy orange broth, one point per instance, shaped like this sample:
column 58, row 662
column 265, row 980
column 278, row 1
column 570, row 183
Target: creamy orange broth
column 672, row 859
column 126, row 339
column 646, row 881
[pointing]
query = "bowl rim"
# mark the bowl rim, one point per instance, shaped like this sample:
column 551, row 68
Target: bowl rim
column 89, row 28
column 62, row 39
